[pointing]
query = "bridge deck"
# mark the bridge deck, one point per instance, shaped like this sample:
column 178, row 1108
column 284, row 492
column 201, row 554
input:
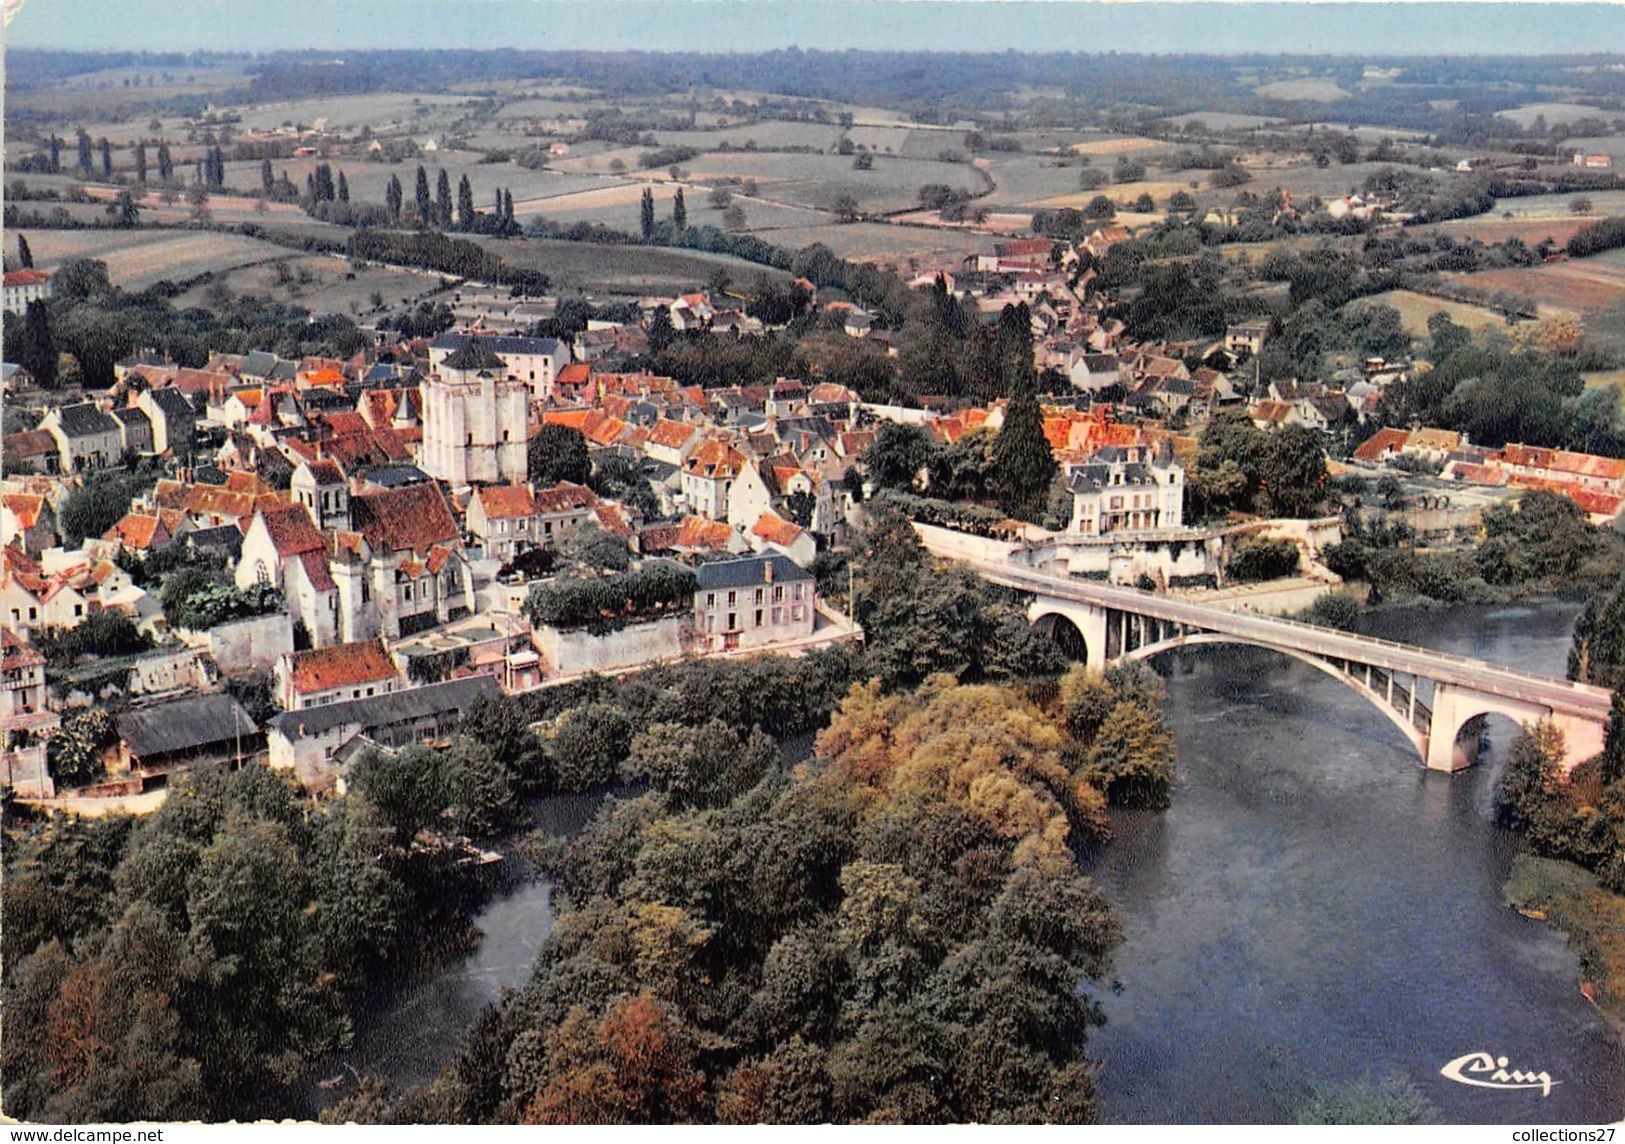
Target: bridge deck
column 1479, row 675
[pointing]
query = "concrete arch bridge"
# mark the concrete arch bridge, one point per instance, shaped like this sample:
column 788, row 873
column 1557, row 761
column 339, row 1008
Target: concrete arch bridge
column 1428, row 696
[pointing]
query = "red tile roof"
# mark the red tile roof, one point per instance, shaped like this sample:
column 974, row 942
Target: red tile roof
column 291, row 529
column 342, row 665
column 137, row 530
column 1381, row 443
column 671, row 434
column 776, row 530
column 27, row 277
column 25, row 507
column 506, row 502
column 563, row 497
column 411, row 518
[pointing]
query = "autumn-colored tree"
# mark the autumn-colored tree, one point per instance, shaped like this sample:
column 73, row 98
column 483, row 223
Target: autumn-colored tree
column 635, row 1065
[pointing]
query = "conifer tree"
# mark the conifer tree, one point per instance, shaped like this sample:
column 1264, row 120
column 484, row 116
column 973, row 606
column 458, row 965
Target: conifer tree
column 442, row 199
column 679, row 212
column 425, row 207
column 25, row 256
column 392, row 199
column 344, row 188
column 267, row 182
column 56, row 154
column 465, row 204
column 37, row 351
column 141, row 162
column 1023, row 465
column 648, row 219
column 107, row 158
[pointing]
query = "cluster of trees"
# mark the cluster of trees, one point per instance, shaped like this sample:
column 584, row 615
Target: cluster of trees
column 900, row 933
column 954, row 204
column 445, row 255
column 1496, row 391
column 1014, row 467
column 1239, row 467
column 921, row 616
column 199, row 600
column 196, row 964
column 1544, row 544
column 99, row 323
column 603, row 604
column 1596, row 238
column 1578, row 816
column 1258, row 558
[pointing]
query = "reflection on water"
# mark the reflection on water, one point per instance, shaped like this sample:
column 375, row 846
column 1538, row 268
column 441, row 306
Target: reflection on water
column 1317, row 908
column 411, row 1032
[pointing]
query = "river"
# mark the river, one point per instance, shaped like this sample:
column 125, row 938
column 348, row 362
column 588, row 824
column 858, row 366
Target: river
column 1315, row 908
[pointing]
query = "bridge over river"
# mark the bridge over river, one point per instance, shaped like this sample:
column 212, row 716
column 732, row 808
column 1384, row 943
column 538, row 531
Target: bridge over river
column 1429, row 696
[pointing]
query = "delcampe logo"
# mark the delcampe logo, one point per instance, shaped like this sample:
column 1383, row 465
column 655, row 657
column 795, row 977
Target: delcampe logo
column 1481, row 1070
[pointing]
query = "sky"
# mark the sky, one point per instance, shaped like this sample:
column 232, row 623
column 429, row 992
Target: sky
column 756, row 25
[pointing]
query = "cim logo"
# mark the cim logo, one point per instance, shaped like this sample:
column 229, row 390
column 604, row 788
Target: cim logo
column 1481, row 1070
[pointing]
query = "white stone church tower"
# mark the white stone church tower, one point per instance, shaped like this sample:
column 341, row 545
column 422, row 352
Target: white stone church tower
column 474, row 418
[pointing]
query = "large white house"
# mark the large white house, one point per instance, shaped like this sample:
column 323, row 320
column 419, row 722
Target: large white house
column 1113, row 494
column 25, row 286
column 534, row 361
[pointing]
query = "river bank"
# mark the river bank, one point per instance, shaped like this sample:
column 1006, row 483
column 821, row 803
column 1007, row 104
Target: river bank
column 1570, row 899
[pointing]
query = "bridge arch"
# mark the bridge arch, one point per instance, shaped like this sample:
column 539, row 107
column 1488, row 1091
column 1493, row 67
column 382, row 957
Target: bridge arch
column 1413, row 734
column 1066, row 635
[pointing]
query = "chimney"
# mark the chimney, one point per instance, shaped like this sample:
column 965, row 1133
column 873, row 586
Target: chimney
column 767, row 571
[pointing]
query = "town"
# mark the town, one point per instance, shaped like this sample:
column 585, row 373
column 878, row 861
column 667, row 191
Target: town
column 704, row 585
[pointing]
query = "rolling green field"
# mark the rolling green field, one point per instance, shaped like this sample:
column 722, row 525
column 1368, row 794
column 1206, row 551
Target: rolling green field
column 1415, row 310
column 882, row 242
column 139, row 258
column 1316, row 90
column 334, row 286
column 368, row 178
column 1554, row 113
column 631, row 270
column 383, row 112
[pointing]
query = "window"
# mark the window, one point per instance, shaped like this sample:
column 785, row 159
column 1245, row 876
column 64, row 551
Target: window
column 733, row 621
column 778, row 616
column 710, row 599
column 406, row 591
column 758, row 617
column 262, row 574
column 733, row 598
column 778, row 592
column 758, row 595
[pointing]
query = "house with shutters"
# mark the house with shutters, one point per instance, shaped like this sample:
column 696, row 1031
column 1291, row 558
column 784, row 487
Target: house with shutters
column 86, row 438
column 752, row 602
column 708, row 478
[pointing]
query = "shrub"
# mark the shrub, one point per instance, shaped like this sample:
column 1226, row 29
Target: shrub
column 1260, row 559
column 611, row 603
